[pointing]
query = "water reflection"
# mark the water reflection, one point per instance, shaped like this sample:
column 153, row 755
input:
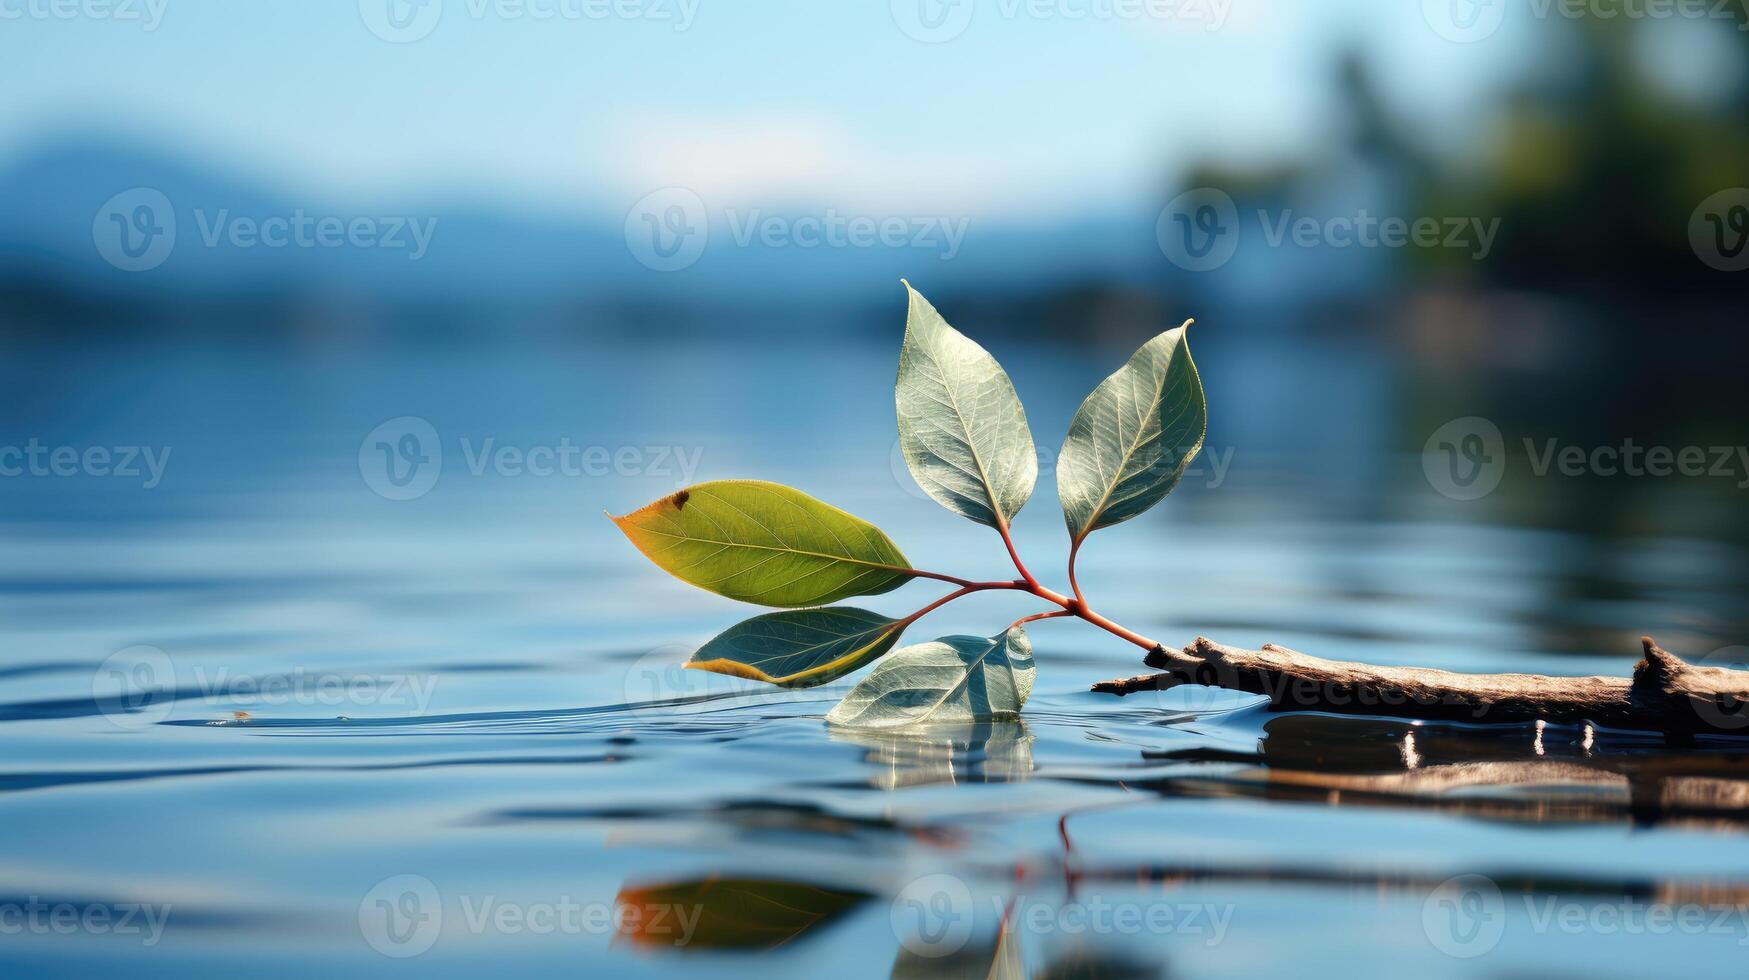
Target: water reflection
column 989, row 752
column 735, row 914
column 1534, row 773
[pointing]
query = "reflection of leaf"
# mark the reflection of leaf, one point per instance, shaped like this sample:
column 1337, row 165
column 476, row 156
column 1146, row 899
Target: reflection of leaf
column 765, row 543
column 729, row 913
column 961, row 427
column 955, row 679
column 1010, row 961
column 799, row 647
column 1131, row 439
column 986, row 752
column 1000, row 957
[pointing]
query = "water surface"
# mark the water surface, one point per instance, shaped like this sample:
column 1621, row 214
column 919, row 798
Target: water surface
column 322, row 732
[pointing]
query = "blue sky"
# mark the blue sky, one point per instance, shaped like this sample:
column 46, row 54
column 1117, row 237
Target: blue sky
column 1022, row 114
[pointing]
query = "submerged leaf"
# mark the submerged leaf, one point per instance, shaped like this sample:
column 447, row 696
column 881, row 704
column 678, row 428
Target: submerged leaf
column 956, row 679
column 1132, row 438
column 766, row 543
column 961, row 427
column 799, row 647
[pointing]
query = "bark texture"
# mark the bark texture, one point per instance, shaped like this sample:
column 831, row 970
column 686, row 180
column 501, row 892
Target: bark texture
column 1664, row 694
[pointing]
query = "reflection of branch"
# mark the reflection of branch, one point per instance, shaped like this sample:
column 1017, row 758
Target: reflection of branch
column 1496, row 772
column 1663, row 891
column 1665, row 694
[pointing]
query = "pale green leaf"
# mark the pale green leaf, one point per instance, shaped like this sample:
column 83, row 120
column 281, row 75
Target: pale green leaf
column 953, row 680
column 766, row 543
column 1132, row 438
column 961, row 427
column 799, row 647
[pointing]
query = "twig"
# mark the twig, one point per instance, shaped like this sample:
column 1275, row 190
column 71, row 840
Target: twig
column 1664, row 694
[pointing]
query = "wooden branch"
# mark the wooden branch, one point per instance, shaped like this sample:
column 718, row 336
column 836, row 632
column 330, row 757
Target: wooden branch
column 1664, row 694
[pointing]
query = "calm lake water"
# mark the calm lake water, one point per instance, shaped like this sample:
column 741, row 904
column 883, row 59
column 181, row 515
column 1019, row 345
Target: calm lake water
column 264, row 719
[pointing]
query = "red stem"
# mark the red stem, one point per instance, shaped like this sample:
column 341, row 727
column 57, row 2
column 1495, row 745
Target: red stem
column 1070, row 607
column 1074, row 586
column 1019, row 566
column 1035, row 617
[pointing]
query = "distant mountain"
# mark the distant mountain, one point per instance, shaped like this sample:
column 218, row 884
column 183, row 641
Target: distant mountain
column 93, row 216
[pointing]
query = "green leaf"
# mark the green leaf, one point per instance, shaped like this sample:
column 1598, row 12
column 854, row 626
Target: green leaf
column 766, row 543
column 961, row 427
column 955, row 680
column 799, row 647
column 1132, row 438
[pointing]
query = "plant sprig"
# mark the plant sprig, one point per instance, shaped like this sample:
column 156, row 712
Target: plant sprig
column 965, row 439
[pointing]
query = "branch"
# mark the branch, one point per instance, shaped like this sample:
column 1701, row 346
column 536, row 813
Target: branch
column 1664, row 694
